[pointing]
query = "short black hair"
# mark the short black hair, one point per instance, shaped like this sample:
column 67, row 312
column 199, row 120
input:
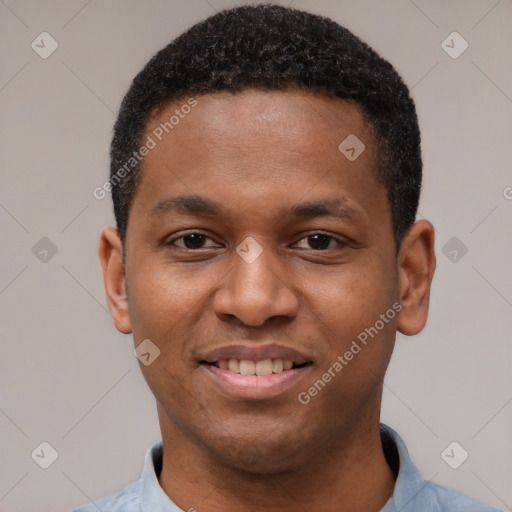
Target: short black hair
column 271, row 47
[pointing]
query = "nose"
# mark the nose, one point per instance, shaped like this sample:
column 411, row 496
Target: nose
column 254, row 292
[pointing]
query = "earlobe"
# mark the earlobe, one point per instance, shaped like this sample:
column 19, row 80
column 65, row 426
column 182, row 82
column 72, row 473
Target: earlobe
column 111, row 257
column 417, row 264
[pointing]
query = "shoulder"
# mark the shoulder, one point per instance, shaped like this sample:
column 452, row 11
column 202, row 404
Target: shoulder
column 412, row 493
column 446, row 499
column 126, row 499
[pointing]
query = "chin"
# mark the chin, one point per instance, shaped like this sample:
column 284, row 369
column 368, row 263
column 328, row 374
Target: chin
column 257, row 454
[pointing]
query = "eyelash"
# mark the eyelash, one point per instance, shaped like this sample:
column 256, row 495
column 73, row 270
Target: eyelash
column 340, row 243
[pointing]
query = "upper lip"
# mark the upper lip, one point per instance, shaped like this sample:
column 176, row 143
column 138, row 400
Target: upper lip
column 255, row 353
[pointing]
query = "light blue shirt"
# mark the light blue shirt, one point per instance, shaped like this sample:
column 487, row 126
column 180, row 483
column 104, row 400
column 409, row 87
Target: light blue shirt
column 411, row 493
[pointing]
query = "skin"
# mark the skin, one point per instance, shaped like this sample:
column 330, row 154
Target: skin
column 257, row 154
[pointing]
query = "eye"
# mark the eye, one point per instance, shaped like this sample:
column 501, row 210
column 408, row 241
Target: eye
column 321, row 242
column 191, row 241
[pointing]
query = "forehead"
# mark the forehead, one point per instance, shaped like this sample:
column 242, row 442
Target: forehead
column 243, row 119
column 257, row 146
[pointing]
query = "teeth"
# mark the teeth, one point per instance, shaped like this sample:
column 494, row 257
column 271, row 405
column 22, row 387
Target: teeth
column 234, row 365
column 247, row 367
column 277, row 365
column 264, row 367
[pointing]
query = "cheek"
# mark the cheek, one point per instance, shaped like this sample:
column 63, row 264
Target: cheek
column 163, row 299
column 164, row 304
column 352, row 299
column 349, row 309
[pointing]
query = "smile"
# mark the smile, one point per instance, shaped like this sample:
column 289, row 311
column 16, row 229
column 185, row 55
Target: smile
column 260, row 368
column 243, row 379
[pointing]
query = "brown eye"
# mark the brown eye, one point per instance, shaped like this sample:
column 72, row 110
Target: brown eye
column 194, row 241
column 191, row 241
column 321, row 242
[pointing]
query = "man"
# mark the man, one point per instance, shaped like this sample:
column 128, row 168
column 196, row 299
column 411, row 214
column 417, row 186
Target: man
column 265, row 174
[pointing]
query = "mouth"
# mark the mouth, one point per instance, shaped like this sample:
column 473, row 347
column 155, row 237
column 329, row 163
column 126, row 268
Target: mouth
column 260, row 368
column 246, row 372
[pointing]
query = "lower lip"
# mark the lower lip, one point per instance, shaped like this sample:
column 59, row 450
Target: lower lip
column 254, row 387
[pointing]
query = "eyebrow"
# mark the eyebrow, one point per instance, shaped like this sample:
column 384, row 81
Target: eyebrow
column 201, row 206
column 337, row 208
column 188, row 205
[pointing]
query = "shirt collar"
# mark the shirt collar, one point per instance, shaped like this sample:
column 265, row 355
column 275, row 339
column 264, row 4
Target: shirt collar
column 152, row 496
column 409, row 481
column 408, row 484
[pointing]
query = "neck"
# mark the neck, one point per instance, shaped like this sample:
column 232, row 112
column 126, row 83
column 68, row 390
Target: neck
column 351, row 475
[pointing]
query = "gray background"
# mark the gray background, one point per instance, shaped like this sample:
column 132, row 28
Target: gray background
column 69, row 378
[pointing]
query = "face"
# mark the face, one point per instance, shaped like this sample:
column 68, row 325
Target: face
column 257, row 256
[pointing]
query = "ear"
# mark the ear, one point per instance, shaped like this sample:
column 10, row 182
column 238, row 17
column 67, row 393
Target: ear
column 111, row 258
column 417, row 263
